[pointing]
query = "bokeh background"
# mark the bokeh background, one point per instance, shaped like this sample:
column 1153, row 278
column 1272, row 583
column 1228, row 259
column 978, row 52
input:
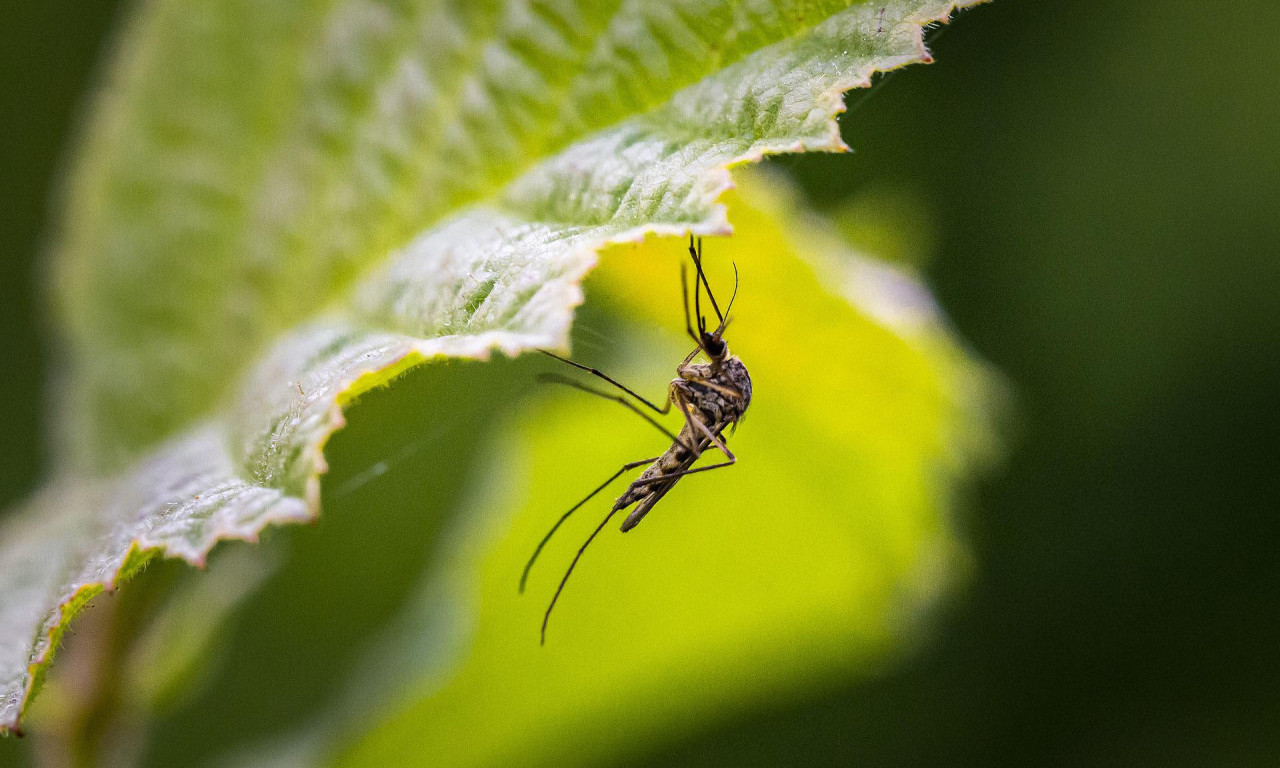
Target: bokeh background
column 1102, row 178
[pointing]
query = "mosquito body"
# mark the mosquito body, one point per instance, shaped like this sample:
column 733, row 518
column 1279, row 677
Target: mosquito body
column 714, row 397
column 710, row 396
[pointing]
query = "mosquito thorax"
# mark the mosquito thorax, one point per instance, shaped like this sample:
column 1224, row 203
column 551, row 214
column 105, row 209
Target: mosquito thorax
column 734, row 373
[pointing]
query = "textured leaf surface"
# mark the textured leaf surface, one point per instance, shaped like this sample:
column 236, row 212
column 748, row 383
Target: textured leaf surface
column 280, row 205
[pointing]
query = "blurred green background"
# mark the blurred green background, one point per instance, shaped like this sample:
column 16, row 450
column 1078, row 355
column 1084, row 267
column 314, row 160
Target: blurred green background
column 1103, row 179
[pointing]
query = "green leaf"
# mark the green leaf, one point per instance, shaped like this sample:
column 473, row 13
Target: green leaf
column 278, row 206
column 814, row 560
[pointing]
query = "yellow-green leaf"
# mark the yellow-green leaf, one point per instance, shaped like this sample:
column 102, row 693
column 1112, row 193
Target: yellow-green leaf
column 812, row 560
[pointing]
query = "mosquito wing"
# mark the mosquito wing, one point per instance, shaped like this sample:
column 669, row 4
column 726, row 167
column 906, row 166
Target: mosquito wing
column 648, row 502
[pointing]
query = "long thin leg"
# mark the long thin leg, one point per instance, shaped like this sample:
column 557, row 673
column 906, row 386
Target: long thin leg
column 598, row 374
column 697, row 262
column 697, row 426
column 547, row 616
column 674, row 475
column 715, row 439
column 632, row 465
column 555, row 378
column 689, row 421
column 688, row 324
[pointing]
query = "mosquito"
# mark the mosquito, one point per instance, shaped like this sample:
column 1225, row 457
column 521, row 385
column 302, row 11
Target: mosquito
column 711, row 396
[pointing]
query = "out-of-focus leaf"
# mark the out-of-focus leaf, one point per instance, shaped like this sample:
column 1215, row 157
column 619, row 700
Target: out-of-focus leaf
column 812, row 560
column 170, row 659
column 396, row 500
column 279, row 205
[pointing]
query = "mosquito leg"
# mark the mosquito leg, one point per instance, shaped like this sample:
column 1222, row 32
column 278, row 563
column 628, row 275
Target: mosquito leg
column 664, row 409
column 697, row 290
column 674, row 475
column 718, row 442
column 558, row 379
column 697, row 262
column 631, row 465
column 715, row 439
column 695, row 425
column 689, row 421
column 547, row 616
column 684, row 294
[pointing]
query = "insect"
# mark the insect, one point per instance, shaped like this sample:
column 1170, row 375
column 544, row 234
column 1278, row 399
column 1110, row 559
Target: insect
column 711, row 396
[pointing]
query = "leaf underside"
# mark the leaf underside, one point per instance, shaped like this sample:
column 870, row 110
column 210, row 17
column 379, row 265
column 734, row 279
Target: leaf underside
column 334, row 192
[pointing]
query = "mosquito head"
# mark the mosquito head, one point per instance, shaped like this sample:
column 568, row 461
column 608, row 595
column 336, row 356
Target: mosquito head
column 715, row 347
